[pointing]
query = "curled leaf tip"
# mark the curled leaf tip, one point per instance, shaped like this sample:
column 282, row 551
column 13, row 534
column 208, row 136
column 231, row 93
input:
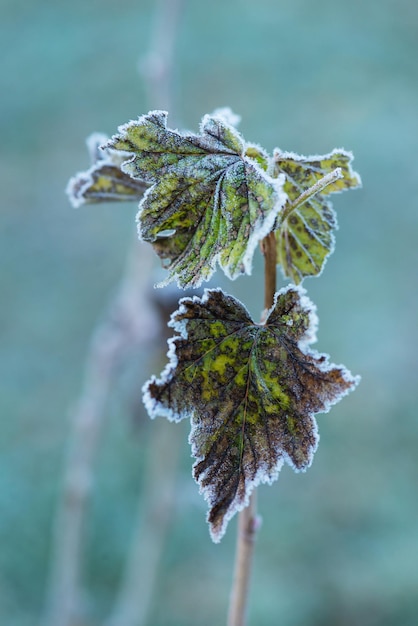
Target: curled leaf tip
column 104, row 181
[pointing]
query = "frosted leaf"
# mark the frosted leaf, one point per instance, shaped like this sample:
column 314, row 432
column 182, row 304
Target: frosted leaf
column 217, row 200
column 306, row 238
column 250, row 391
column 104, row 181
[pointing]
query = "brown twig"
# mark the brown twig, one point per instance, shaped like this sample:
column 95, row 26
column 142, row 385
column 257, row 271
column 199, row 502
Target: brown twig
column 134, row 600
column 247, row 520
column 269, row 248
column 247, row 529
column 128, row 322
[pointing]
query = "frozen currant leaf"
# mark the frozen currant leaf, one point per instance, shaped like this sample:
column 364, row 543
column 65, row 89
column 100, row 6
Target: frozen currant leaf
column 250, row 390
column 305, row 237
column 214, row 200
column 104, row 181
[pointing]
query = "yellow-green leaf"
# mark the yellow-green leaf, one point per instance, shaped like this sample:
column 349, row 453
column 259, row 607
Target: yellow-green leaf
column 305, row 237
column 210, row 202
column 250, row 390
column 104, row 181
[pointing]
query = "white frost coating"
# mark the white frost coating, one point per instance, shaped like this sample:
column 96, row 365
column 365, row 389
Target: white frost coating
column 140, row 210
column 77, row 200
column 320, row 184
column 79, row 184
column 75, row 188
column 227, row 115
column 154, row 407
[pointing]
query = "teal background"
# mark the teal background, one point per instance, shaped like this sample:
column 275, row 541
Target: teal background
column 338, row 545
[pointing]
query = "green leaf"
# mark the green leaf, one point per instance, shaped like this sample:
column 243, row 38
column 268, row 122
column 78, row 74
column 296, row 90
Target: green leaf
column 305, row 237
column 104, row 181
column 250, row 391
column 209, row 201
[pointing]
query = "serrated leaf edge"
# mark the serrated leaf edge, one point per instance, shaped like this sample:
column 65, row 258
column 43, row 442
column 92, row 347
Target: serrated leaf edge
column 155, row 408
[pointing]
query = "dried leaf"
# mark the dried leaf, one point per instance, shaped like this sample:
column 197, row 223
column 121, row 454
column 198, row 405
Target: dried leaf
column 250, row 390
column 104, row 181
column 209, row 201
column 305, row 238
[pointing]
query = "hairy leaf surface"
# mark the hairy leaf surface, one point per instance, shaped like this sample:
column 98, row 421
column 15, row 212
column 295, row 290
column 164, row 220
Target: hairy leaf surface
column 250, row 391
column 209, row 201
column 305, row 238
column 104, row 181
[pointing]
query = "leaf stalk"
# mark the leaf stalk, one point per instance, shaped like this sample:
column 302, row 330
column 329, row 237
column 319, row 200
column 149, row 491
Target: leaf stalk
column 269, row 249
column 319, row 186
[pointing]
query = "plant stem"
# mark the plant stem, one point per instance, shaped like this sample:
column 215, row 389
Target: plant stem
column 247, row 519
column 247, row 528
column 270, row 265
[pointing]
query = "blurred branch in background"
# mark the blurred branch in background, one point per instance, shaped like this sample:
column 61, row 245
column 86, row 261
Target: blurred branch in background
column 155, row 507
column 129, row 322
column 156, row 67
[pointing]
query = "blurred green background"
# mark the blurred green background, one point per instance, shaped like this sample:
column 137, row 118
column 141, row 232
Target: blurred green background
column 338, row 545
